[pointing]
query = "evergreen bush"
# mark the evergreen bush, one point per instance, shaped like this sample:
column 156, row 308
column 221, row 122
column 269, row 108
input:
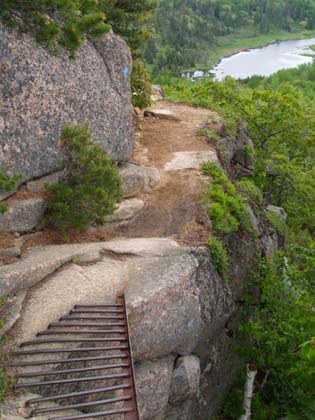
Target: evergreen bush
column 91, row 186
column 58, row 24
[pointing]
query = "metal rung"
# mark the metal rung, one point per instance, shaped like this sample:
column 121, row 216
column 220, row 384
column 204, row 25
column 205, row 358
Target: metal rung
column 73, row 380
column 98, row 332
column 96, row 311
column 73, row 340
column 114, row 317
column 67, row 371
column 77, row 394
column 107, row 325
column 74, row 360
column 68, row 350
column 93, row 415
column 84, row 324
column 77, row 406
column 97, row 306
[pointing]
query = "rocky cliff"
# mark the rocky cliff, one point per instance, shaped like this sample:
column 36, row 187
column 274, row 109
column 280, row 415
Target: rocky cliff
column 40, row 92
column 181, row 312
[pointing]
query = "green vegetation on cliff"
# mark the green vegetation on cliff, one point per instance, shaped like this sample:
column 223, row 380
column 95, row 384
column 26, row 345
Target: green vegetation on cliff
column 278, row 329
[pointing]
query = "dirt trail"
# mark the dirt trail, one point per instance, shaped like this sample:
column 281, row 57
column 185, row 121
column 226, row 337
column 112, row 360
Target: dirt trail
column 171, row 210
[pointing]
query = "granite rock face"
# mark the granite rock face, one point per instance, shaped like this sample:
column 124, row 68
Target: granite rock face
column 153, row 379
column 185, row 380
column 23, row 216
column 40, row 92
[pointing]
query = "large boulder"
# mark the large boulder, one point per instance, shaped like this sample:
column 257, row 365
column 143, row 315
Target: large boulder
column 41, row 92
column 23, row 215
column 153, row 381
column 185, row 379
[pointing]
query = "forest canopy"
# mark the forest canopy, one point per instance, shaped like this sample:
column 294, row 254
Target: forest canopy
column 186, row 30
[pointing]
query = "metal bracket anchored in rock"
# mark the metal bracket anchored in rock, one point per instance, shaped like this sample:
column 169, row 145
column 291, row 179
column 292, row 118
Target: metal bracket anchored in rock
column 106, row 382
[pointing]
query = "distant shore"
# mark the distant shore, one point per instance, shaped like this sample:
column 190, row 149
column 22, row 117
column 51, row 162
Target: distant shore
column 235, row 43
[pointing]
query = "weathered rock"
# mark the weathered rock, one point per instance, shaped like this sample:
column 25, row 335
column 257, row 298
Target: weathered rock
column 126, row 210
column 42, row 261
column 163, row 298
column 23, row 215
column 153, row 379
column 157, row 93
column 254, row 220
column 137, row 179
column 39, row 184
column 279, row 211
column 153, row 177
column 134, row 179
column 164, row 114
column 14, row 408
column 179, row 411
column 239, row 150
column 185, row 379
column 15, row 249
column 270, row 242
column 41, row 92
column 190, row 160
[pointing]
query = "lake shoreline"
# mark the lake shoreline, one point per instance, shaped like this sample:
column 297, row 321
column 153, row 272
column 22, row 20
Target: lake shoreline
column 261, row 61
column 232, row 45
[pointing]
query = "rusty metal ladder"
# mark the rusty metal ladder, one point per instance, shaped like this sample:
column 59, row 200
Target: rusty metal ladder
column 108, row 327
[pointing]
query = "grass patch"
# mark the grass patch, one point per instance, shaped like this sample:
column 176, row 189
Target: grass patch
column 209, row 134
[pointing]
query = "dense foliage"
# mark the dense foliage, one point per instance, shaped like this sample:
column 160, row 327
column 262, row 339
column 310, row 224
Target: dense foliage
column 130, row 19
column 188, row 30
column 59, row 24
column 279, row 339
column 91, row 186
column 278, row 330
column 282, row 125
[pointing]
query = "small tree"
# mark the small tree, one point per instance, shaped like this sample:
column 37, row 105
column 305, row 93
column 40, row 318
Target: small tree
column 91, row 186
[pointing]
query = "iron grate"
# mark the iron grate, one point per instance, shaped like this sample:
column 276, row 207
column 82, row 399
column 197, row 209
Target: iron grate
column 108, row 327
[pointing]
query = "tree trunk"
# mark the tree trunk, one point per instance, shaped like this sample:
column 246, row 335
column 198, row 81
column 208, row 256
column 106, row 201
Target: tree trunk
column 249, row 390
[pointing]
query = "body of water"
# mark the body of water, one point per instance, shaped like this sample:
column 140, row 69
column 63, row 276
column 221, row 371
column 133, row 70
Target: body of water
column 262, row 61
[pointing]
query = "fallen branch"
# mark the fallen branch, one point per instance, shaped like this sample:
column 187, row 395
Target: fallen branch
column 249, row 390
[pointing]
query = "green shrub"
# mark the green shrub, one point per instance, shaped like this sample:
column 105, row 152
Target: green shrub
column 226, row 209
column 219, row 256
column 251, row 193
column 58, row 24
column 276, row 222
column 140, row 85
column 91, row 186
column 8, row 183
